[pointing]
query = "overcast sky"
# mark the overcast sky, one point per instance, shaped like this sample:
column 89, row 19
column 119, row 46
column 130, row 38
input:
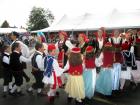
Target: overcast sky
column 16, row 12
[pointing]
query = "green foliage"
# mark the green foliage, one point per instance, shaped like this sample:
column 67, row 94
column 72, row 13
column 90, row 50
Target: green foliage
column 38, row 19
column 5, row 24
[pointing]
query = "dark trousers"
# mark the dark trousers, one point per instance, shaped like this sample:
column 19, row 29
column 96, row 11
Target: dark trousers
column 26, row 77
column 38, row 75
column 18, row 75
column 7, row 76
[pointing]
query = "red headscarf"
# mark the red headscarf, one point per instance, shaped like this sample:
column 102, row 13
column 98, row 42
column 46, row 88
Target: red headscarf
column 64, row 34
column 103, row 31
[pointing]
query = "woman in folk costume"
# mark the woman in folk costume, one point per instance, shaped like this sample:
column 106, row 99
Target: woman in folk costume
column 104, row 79
column 82, row 42
column 100, row 41
column 118, row 59
column 89, row 74
column 75, row 84
column 136, row 73
column 63, row 45
column 128, row 64
column 52, row 71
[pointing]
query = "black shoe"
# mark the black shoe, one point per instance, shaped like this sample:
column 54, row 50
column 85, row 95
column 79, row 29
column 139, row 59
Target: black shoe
column 57, row 94
column 79, row 103
column 4, row 95
column 41, row 94
column 29, row 92
column 20, row 94
column 69, row 99
column 12, row 94
column 51, row 99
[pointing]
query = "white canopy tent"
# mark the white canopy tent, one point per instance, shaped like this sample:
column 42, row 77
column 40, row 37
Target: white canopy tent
column 114, row 19
column 9, row 30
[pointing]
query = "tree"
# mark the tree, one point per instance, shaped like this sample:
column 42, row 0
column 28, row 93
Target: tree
column 5, row 24
column 39, row 18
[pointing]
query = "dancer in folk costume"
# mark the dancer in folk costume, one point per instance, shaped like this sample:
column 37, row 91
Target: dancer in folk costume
column 17, row 68
column 24, row 50
column 63, row 45
column 52, row 71
column 128, row 64
column 89, row 74
column 100, row 41
column 82, row 42
column 116, row 41
column 7, row 73
column 104, row 79
column 136, row 73
column 38, row 69
column 75, row 84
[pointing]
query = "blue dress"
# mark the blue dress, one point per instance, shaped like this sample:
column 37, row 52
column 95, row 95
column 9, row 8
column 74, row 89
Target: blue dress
column 89, row 77
column 104, row 81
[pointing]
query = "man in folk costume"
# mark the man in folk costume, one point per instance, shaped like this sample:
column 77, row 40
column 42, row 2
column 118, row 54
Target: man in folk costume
column 128, row 64
column 137, row 46
column 63, row 45
column 82, row 39
column 52, row 71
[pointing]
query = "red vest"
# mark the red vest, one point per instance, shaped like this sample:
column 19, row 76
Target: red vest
column 90, row 63
column 108, row 59
column 75, row 70
column 138, row 40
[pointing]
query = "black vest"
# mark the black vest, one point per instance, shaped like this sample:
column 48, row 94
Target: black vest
column 5, row 65
column 62, row 46
column 15, row 63
column 34, row 63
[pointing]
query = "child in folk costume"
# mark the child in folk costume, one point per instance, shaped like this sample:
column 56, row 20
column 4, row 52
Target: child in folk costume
column 75, row 84
column 63, row 45
column 52, row 71
column 89, row 74
column 16, row 60
column 38, row 69
column 6, row 69
column 128, row 64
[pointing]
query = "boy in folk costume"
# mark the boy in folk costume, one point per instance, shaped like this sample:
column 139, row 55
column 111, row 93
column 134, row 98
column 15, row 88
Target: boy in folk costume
column 75, row 84
column 52, row 71
column 6, row 69
column 89, row 74
column 38, row 69
column 17, row 68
